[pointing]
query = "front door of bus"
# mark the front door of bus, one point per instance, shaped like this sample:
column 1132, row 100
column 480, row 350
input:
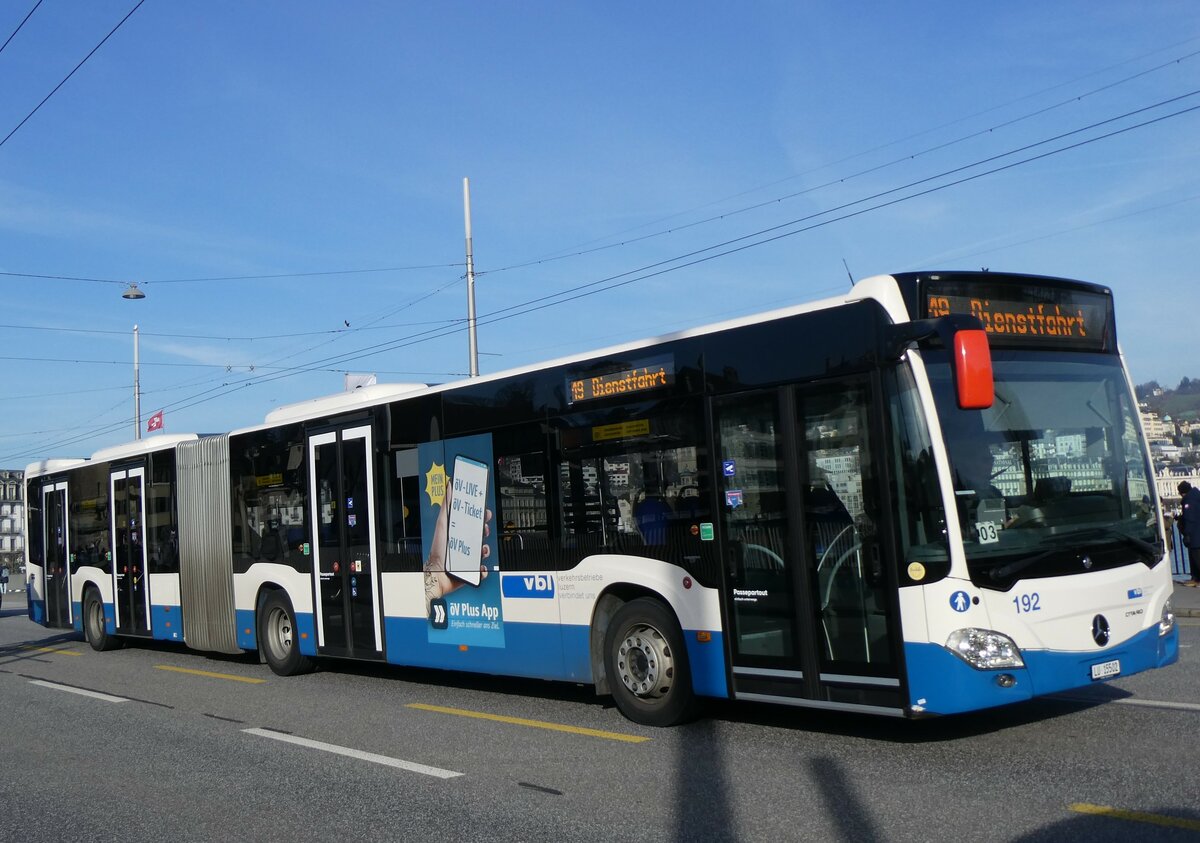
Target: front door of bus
column 57, row 544
column 345, row 578
column 131, row 585
column 808, row 592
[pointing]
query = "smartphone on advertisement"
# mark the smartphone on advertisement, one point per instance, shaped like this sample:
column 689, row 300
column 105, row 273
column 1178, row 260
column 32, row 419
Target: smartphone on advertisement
column 468, row 504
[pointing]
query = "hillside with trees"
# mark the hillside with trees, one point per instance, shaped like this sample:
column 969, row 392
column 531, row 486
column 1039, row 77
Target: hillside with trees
column 1181, row 403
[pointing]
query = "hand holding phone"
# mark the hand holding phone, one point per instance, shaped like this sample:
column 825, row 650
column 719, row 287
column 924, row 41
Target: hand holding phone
column 467, row 505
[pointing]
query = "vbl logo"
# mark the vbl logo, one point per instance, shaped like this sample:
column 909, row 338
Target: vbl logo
column 529, row 585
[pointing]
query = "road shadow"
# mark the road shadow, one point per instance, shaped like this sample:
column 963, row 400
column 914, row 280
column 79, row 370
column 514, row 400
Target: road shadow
column 32, row 650
column 847, row 724
column 891, row 730
column 900, row 730
column 11, row 609
column 455, row 680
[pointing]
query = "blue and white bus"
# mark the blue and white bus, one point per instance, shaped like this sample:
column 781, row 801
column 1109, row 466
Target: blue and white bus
column 929, row 495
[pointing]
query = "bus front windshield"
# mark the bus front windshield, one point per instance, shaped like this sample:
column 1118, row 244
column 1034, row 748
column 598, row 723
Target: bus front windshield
column 1053, row 478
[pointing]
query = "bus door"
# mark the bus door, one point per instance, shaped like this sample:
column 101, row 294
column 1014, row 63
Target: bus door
column 131, row 585
column 345, row 574
column 56, row 542
column 808, row 588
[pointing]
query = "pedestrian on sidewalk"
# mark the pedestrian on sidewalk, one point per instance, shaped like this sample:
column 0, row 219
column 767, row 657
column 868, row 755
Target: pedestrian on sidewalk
column 1189, row 528
column 3, row 582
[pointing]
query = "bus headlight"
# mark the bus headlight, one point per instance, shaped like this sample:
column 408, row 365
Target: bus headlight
column 1167, row 622
column 984, row 649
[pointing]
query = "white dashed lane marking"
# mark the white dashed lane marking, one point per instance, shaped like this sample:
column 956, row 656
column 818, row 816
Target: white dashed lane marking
column 385, row 760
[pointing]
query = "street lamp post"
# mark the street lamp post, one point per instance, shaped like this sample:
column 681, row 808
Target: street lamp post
column 472, row 342
column 137, row 392
column 133, row 293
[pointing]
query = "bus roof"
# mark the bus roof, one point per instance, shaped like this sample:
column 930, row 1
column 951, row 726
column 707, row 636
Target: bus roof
column 41, row 467
column 880, row 288
column 142, row 446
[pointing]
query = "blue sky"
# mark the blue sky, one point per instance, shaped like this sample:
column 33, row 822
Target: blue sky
column 325, row 144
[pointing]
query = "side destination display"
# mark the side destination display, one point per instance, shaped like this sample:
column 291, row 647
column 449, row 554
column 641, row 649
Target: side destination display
column 644, row 376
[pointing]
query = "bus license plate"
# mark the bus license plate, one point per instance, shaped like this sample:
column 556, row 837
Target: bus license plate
column 1106, row 670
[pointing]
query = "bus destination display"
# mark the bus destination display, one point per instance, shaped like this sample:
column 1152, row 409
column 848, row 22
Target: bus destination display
column 1019, row 314
column 643, row 377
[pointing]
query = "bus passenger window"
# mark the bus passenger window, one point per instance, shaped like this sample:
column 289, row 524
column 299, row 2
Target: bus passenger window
column 269, row 497
column 400, row 507
column 521, row 500
column 638, row 492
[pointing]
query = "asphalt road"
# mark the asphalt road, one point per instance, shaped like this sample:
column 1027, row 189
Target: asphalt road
column 157, row 742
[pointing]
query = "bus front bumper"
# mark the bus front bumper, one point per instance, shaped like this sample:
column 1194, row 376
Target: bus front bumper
column 941, row 683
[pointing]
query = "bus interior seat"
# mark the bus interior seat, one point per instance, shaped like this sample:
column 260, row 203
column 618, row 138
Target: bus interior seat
column 1051, row 488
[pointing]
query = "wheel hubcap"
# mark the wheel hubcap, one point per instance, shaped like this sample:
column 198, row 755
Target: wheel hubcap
column 282, row 626
column 645, row 662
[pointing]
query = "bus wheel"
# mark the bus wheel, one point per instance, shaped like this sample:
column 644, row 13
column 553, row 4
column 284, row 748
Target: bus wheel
column 646, row 664
column 278, row 637
column 94, row 629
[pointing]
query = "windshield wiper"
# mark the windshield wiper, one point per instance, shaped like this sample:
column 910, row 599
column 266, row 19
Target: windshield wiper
column 1005, row 571
column 1109, row 532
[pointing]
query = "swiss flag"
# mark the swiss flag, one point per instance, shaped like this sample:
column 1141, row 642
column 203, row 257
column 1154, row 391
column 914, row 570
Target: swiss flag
column 155, row 422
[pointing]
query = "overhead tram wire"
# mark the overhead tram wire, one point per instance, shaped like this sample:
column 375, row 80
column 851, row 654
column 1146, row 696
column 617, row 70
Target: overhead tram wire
column 1071, row 230
column 1014, row 151
column 20, row 25
column 585, row 290
column 226, row 366
column 392, row 312
column 370, row 325
column 660, row 268
column 164, row 335
column 270, row 277
column 848, row 158
column 722, row 216
column 270, row 364
column 890, row 191
column 221, row 385
column 305, row 274
column 122, row 402
column 208, row 394
column 591, row 288
column 843, row 217
column 843, row 179
column 405, row 306
column 72, row 73
column 121, row 387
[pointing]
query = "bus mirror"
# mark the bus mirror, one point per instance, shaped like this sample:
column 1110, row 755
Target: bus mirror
column 973, row 370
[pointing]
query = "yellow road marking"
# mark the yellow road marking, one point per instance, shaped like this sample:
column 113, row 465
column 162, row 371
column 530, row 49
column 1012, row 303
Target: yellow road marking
column 57, row 650
column 210, row 674
column 1136, row 816
column 537, row 724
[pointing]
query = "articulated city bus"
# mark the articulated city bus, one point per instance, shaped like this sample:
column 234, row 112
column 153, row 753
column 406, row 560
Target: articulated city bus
column 930, row 495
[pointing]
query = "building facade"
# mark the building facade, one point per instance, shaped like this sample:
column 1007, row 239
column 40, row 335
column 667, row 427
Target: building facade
column 12, row 518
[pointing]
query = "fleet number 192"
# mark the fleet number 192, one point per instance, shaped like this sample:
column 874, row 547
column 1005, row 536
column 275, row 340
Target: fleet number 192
column 1028, row 603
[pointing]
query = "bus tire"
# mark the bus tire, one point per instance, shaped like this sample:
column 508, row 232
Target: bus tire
column 646, row 664
column 94, row 629
column 278, row 637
